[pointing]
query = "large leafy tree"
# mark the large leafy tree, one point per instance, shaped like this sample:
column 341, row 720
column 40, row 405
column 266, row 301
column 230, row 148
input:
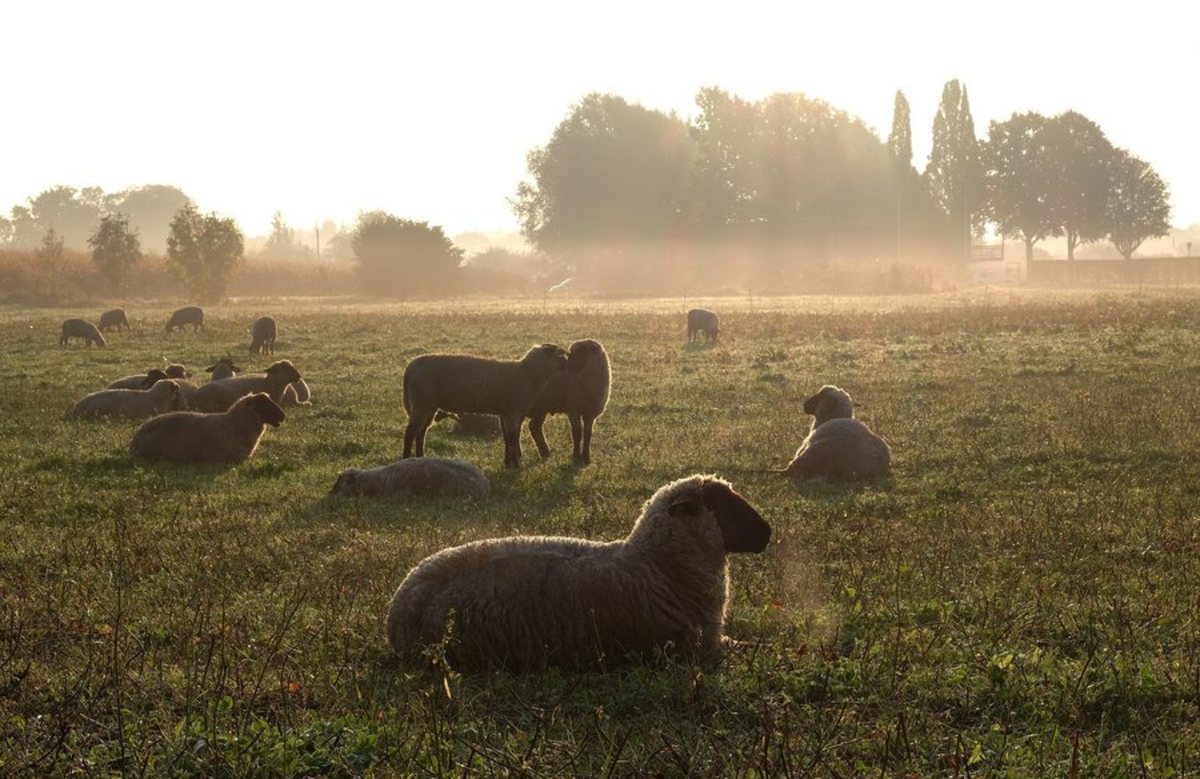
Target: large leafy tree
column 150, row 210
column 1138, row 206
column 72, row 214
column 116, row 249
column 1078, row 163
column 612, row 172
column 203, row 251
column 50, row 258
column 402, row 256
column 1017, row 183
column 953, row 174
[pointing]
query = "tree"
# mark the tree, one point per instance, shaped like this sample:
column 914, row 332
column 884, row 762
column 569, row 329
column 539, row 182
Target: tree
column 1016, row 181
column 203, row 250
column 900, row 138
column 72, row 214
column 1078, row 158
column 1137, row 207
column 953, row 173
column 6, row 230
column 50, row 257
column 282, row 244
column 150, row 210
column 25, row 234
column 402, row 256
column 116, row 249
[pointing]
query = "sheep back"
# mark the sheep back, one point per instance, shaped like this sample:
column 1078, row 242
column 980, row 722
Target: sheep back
column 114, row 318
column 421, row 476
column 164, row 396
column 841, row 449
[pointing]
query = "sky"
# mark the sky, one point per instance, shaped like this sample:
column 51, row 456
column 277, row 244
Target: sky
column 323, row 110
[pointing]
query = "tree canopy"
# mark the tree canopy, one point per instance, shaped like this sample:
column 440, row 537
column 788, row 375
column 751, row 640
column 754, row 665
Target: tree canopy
column 1137, row 206
column 1017, row 183
column 116, row 249
column 404, row 257
column 203, row 251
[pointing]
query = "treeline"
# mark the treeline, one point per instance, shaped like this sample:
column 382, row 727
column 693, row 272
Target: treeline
column 789, row 185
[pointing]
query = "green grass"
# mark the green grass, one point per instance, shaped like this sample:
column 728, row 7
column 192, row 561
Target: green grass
column 1021, row 597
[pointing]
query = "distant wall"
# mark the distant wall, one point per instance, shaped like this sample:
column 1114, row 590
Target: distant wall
column 1155, row 271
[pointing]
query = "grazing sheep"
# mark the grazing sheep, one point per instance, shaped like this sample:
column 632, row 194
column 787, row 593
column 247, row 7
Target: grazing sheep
column 219, row 395
column 80, row 328
column 223, row 369
column 115, row 318
column 459, row 383
column 415, row 476
column 581, row 393
column 192, row 437
column 838, row 445
column 188, row 315
column 139, row 380
column 701, row 320
column 471, row 425
column 526, row 603
column 164, row 396
column 262, row 336
column 297, row 394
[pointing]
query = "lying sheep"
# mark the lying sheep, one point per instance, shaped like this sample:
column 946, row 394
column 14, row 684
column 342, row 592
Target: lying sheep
column 526, row 603
column 459, row 383
column 415, row 476
column 219, row 395
column 80, row 328
column 838, row 445
column 164, row 396
column 188, row 315
column 114, row 318
column 701, row 320
column 581, row 393
column 147, row 379
column 262, row 336
column 223, row 369
column 192, row 437
column 471, row 425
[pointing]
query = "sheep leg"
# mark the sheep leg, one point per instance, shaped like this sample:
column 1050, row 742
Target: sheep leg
column 576, row 436
column 512, row 440
column 587, row 439
column 414, row 434
column 538, row 435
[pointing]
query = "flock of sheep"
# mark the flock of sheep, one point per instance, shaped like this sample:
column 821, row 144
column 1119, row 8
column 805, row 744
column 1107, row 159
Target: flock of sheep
column 521, row 603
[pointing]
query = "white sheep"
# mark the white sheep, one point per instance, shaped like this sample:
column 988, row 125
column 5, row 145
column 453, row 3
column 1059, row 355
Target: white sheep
column 838, row 445
column 525, row 603
column 164, row 396
column 415, row 476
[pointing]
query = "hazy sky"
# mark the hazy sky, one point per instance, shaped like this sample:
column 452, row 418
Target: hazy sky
column 427, row 110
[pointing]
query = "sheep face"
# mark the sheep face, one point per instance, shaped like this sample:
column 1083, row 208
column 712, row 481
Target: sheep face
column 551, row 353
column 225, row 366
column 268, row 411
column 177, row 371
column 580, row 352
column 168, row 391
column 830, row 403
column 285, row 369
column 345, row 484
column 153, row 376
column 742, row 529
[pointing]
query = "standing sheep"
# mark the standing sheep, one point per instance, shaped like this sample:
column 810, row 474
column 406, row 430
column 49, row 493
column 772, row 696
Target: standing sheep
column 581, row 393
column 526, row 603
column 701, row 320
column 415, row 476
column 164, row 396
column 838, row 445
column 219, row 395
column 262, row 336
column 188, row 315
column 114, row 318
column 459, row 383
column 192, row 437
column 80, row 328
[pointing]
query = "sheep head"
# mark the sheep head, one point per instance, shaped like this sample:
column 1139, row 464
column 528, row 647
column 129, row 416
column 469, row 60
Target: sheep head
column 177, row 371
column 153, row 376
column 742, row 528
column 267, row 410
column 285, row 369
column 345, row 483
column 547, row 354
column 581, row 352
column 830, row 403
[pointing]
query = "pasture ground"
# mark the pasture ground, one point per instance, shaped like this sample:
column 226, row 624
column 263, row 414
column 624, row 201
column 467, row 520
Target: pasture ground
column 1021, row 597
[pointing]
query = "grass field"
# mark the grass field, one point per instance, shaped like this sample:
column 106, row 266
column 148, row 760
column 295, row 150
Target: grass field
column 1021, row 597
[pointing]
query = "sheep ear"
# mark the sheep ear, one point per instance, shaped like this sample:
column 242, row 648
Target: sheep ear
column 742, row 528
column 684, row 505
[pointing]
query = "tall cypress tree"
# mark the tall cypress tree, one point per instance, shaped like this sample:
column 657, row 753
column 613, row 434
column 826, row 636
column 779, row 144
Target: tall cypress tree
column 953, row 175
column 900, row 139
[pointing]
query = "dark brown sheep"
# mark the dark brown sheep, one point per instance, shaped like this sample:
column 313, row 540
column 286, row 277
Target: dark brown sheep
column 80, row 328
column 581, row 392
column 188, row 315
column 192, row 437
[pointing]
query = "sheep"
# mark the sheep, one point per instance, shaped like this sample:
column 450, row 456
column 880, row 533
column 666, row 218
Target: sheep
column 223, row 369
column 193, row 437
column 114, row 318
column 221, row 394
column 461, row 383
column 262, row 336
column 188, row 315
column 701, row 320
column 164, row 396
column 527, row 603
column 838, row 445
column 415, row 476
column 471, row 425
column 581, row 393
column 80, row 328
column 146, row 380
